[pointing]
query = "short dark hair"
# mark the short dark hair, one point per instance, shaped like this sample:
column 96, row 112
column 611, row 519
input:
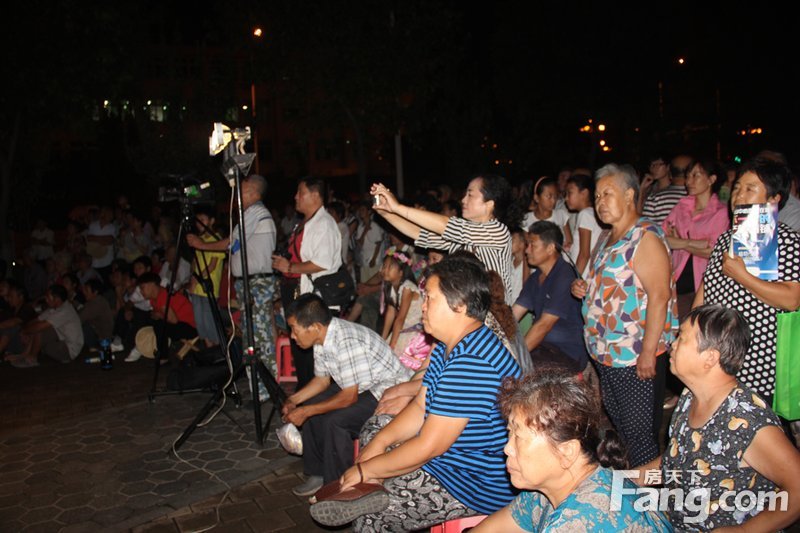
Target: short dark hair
column 149, row 277
column 58, row 291
column 95, row 284
column 775, row 176
column 723, row 329
column 464, row 281
column 548, row 232
column 498, row 189
column 338, row 208
column 145, row 260
column 16, row 286
column 309, row 309
column 316, row 185
column 73, row 278
column 583, row 183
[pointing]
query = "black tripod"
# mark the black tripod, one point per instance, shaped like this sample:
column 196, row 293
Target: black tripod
column 162, row 348
column 235, row 165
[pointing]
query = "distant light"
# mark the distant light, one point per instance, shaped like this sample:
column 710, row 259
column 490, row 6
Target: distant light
column 606, row 148
column 257, row 32
column 510, row 162
column 494, row 146
column 737, row 159
column 496, row 161
column 602, row 142
column 149, row 102
column 244, row 108
column 636, row 130
column 183, row 108
column 164, row 108
column 347, row 141
column 601, row 127
column 105, row 103
column 681, row 61
column 380, row 158
column 483, row 145
column 758, row 130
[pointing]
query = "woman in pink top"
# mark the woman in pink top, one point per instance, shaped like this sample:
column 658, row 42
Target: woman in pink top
column 693, row 227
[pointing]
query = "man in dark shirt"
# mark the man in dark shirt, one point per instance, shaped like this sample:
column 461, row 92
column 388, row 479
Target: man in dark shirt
column 556, row 335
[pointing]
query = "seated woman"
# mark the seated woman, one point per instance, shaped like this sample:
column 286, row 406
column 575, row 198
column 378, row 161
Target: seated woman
column 723, row 436
column 449, row 463
column 558, row 456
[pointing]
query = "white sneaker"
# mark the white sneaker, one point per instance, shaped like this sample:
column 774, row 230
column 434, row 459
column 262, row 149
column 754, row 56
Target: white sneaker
column 133, row 356
column 116, row 345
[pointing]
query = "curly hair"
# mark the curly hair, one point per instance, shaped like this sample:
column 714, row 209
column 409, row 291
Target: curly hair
column 555, row 402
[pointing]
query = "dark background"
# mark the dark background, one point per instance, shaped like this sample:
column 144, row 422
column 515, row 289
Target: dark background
column 502, row 87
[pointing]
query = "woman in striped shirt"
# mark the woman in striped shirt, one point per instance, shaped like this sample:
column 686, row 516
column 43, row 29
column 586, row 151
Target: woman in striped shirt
column 487, row 210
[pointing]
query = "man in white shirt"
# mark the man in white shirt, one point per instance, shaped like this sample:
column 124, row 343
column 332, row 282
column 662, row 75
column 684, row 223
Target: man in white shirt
column 100, row 238
column 315, row 250
column 57, row 333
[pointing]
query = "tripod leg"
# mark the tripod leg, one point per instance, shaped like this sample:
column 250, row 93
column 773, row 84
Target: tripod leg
column 215, row 398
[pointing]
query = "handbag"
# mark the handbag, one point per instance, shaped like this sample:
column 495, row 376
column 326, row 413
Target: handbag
column 337, row 289
column 786, row 401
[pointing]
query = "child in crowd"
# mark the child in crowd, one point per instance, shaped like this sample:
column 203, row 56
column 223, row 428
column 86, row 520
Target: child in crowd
column 586, row 230
column 545, row 197
column 403, row 318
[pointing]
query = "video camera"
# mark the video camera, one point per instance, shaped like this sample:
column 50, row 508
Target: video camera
column 186, row 190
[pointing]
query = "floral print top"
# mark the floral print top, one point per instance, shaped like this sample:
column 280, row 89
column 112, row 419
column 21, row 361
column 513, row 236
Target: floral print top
column 615, row 305
column 708, row 459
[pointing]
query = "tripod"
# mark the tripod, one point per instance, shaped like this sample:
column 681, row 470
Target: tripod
column 162, row 349
column 233, row 165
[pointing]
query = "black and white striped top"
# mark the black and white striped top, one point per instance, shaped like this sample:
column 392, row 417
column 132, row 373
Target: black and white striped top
column 658, row 205
column 489, row 241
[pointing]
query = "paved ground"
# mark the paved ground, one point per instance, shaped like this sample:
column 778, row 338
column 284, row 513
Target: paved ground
column 82, row 449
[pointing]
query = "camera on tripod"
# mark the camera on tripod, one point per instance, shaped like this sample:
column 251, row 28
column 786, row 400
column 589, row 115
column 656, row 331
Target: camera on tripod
column 186, row 190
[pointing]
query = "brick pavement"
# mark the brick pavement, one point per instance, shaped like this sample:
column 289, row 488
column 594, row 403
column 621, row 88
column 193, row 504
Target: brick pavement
column 82, row 449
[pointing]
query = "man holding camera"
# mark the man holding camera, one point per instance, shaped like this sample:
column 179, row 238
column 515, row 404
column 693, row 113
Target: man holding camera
column 260, row 235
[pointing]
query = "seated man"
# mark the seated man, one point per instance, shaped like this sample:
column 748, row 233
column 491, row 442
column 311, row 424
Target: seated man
column 353, row 365
column 56, row 333
column 179, row 317
column 96, row 315
column 18, row 313
column 556, row 335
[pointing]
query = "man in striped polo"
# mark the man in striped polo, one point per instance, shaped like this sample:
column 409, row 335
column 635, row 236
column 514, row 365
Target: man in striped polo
column 659, row 204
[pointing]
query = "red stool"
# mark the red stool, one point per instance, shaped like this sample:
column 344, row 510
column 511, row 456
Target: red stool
column 458, row 525
column 283, row 360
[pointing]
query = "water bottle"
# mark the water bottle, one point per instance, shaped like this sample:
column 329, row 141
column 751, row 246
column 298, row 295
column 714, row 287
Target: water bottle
column 106, row 357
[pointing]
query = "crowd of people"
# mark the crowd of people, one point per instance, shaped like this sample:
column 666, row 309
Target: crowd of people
column 509, row 356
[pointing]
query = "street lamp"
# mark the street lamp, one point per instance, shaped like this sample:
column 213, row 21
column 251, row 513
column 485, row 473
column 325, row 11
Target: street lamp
column 257, row 34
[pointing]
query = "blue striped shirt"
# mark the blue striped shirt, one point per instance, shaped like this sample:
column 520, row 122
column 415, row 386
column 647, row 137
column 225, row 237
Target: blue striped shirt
column 464, row 385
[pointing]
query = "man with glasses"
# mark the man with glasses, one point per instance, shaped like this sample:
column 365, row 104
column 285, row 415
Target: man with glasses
column 669, row 186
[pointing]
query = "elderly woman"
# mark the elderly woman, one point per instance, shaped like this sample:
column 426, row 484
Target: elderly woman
column 693, row 227
column 727, row 282
column 487, row 209
column 724, row 439
column 562, row 460
column 450, row 460
column 629, row 310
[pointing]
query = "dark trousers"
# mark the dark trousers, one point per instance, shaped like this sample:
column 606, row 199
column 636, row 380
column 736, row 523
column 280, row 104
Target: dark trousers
column 303, row 358
column 328, row 438
column 635, row 407
column 126, row 329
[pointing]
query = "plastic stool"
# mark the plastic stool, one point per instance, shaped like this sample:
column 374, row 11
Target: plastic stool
column 457, row 525
column 283, row 360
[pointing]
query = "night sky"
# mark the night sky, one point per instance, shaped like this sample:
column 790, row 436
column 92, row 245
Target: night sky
column 523, row 75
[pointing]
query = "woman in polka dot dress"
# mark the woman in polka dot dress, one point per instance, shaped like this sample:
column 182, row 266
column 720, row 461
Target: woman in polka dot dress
column 727, row 282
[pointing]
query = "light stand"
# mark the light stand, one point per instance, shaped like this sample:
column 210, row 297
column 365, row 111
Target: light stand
column 236, row 164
